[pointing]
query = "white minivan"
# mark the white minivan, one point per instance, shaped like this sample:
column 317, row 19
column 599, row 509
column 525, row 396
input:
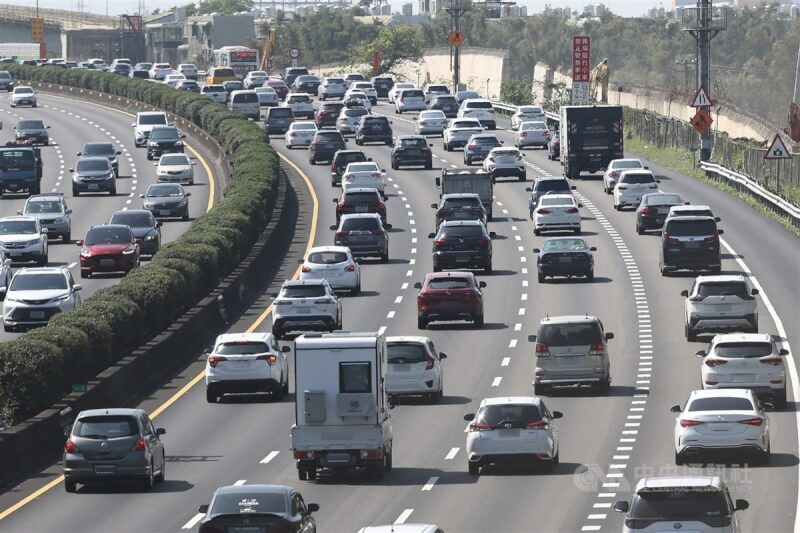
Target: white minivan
column 245, row 103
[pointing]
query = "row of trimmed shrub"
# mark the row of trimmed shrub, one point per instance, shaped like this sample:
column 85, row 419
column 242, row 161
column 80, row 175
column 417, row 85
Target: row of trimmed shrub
column 38, row 368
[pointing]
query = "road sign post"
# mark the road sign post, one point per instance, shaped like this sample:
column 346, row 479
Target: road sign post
column 294, row 55
column 581, row 69
column 777, row 151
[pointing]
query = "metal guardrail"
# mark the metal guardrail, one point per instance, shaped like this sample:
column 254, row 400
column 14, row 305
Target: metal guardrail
column 719, row 173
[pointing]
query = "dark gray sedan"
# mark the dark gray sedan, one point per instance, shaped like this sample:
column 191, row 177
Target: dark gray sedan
column 365, row 235
column 653, row 210
column 146, row 229
column 33, row 131
column 258, row 508
column 167, row 200
column 106, row 445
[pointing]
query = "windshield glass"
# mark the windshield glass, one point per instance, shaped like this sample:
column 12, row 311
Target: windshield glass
column 678, row 504
column 626, row 164
column 551, row 185
column 691, row 228
column 559, row 245
column 302, row 98
column 498, row 416
column 416, row 143
column 16, row 159
column 735, row 288
column 720, row 404
column 405, row 352
column 303, row 291
column 164, row 134
column 533, row 126
column 23, row 90
column 359, row 224
column 245, row 98
column 17, row 227
column 174, row 159
column 449, row 283
column 152, row 119
column 134, row 220
column 303, row 126
column 106, row 235
column 327, row 258
column 362, row 167
column 43, row 206
column 663, row 199
column 555, row 200
column 361, row 198
column 354, row 113
column 92, row 165
column 30, row 125
column 105, row 427
column 98, row 149
column 329, row 136
column 223, row 72
column 248, row 503
column 637, row 178
column 241, row 348
column 280, row 112
column 164, row 190
column 38, row 282
column 569, row 334
column 744, row 350
column 213, row 89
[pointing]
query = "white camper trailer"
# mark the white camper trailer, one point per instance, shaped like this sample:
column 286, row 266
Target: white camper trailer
column 342, row 415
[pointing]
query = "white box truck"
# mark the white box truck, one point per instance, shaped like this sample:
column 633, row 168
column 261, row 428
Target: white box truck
column 468, row 180
column 342, row 417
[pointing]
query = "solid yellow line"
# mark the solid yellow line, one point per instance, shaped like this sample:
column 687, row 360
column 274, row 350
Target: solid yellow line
column 199, row 377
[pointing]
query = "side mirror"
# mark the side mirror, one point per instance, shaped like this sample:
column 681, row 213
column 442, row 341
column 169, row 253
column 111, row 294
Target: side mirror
column 782, row 351
column 383, row 170
column 3, row 290
column 435, row 206
column 387, row 226
column 68, row 211
column 482, row 284
column 286, row 349
column 700, row 353
column 528, row 189
column 767, row 405
column 392, row 402
column 469, row 417
column 312, row 507
column 593, row 249
column 658, row 181
column 19, row 212
column 119, row 152
column 431, row 235
column 333, row 228
column 159, row 223
column 77, row 287
column 754, row 292
column 202, row 509
column 442, row 355
column 155, row 163
column 675, row 409
column 685, row 293
column 621, row 506
column 418, row 285
column 492, row 234
column 430, row 145
column 133, row 125
column 78, row 153
column 536, row 250
column 7, row 262
column 580, row 205
column 717, row 219
column 646, row 167
column 531, row 338
column 557, row 414
column 574, row 188
column 609, row 335
column 741, row 505
column 720, row 231
column 188, row 194
column 48, row 127
column 141, row 196
column 72, row 170
column 335, row 200
column 368, row 159
column 161, row 431
column 301, row 261
column 79, row 243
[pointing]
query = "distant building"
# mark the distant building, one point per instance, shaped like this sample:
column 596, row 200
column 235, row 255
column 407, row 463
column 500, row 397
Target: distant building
column 407, row 10
column 515, row 11
column 430, row 7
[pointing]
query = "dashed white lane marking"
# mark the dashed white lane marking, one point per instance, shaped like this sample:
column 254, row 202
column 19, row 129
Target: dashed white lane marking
column 496, row 381
column 193, row 521
column 512, row 343
column 506, row 361
column 429, row 485
column 404, row 516
column 240, row 482
column 390, row 314
column 451, row 454
column 398, row 299
column 272, row 455
column 404, row 286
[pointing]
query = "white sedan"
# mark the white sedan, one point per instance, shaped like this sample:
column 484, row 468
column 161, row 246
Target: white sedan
column 300, row 133
column 176, row 168
column 715, row 421
column 359, row 96
column 23, row 95
column 394, row 92
column 366, row 174
column 414, row 368
column 335, row 264
column 512, row 429
column 557, row 212
column 173, row 79
column 430, row 122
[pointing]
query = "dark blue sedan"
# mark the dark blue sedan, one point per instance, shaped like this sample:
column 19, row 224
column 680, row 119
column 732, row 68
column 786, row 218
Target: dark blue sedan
column 565, row 256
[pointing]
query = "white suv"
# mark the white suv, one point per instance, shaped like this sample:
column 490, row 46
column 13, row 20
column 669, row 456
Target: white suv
column 615, row 168
column 480, row 109
column 335, row 264
column 631, row 186
column 720, row 303
column 745, row 360
column 36, row 294
column 305, row 305
column 414, row 368
column 300, row 104
column 145, row 121
column 246, row 362
column 23, row 239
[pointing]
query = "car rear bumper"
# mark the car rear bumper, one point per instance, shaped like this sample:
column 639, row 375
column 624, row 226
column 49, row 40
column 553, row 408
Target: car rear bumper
column 692, row 260
column 565, row 269
column 446, row 312
column 229, row 385
column 509, row 458
column 705, row 323
column 305, row 323
column 557, row 226
column 721, row 448
column 499, row 172
column 461, row 260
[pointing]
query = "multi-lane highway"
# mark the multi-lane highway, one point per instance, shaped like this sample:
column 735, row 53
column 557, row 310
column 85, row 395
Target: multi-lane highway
column 607, row 441
column 73, row 123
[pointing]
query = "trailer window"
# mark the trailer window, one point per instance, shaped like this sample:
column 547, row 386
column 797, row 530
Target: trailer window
column 355, row 377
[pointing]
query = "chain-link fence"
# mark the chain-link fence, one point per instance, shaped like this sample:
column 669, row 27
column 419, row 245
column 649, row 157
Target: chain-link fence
column 742, row 157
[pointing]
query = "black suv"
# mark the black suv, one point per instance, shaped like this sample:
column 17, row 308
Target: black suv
column 462, row 244
column 411, row 150
column 557, row 185
column 327, row 114
column 340, row 161
column 374, row 129
column 324, row 146
column 459, row 206
column 382, row 84
column 360, row 200
column 278, row 119
column 164, row 140
column 690, row 243
column 446, row 103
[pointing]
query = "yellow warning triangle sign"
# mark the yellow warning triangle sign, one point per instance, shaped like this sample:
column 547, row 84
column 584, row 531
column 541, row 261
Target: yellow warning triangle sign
column 777, row 150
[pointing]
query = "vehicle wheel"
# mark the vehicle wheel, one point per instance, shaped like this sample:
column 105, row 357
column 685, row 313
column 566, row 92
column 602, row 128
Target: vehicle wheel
column 679, row 459
column 428, row 165
column 691, row 335
column 536, row 232
column 421, row 323
column 149, row 157
column 764, row 457
column 604, row 385
column 539, row 389
column 277, row 392
column 67, row 237
column 85, row 275
column 376, row 471
column 523, row 177
column 357, row 290
column 639, row 229
column 312, row 161
column 577, row 231
column 75, row 192
column 716, row 269
column 590, row 277
column 211, row 396
column 388, row 461
column 149, row 480
column 479, row 321
column 474, row 469
column 542, row 277
column 447, row 147
column 185, row 215
column 385, row 258
column 393, row 164
column 780, row 399
column 161, row 475
column 618, row 207
column 436, row 268
column 70, row 486
column 286, row 384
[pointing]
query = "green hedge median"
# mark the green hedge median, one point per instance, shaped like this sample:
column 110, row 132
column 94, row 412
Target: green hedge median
column 39, row 367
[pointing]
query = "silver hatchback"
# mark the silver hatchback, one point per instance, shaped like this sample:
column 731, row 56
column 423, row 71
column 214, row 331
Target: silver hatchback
column 106, row 445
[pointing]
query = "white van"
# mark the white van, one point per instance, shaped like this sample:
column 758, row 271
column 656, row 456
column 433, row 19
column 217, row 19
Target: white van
column 145, row 120
column 245, row 103
column 480, row 109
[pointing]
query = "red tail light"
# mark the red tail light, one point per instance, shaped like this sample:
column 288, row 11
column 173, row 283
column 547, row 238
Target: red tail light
column 70, row 447
column 752, row 421
column 271, row 359
column 378, row 206
column 698, row 298
column 712, row 238
column 214, row 359
column 471, row 146
column 712, row 362
column 539, row 424
column 482, row 242
column 772, row 360
column 426, row 149
column 542, row 350
column 668, row 239
column 350, row 268
column 543, row 211
column 140, row 446
column 378, row 232
column 402, row 98
column 305, row 269
column 690, row 423
column 421, row 122
column 645, row 210
column 342, row 233
column 479, row 426
column 440, row 242
column 429, row 361
column 572, row 210
column 597, row 349
column 523, row 134
column 292, row 134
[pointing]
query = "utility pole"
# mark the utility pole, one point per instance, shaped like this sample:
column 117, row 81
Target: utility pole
column 455, row 8
column 706, row 25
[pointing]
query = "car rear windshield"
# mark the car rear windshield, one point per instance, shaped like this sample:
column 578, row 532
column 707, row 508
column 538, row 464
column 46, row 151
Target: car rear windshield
column 30, row 124
column 43, row 206
column 730, row 403
column 464, row 232
column 298, row 98
column 462, row 202
column 550, row 200
column 38, row 282
column 98, row 149
column 723, row 288
column 360, row 198
column 134, row 220
column 446, row 99
column 17, row 227
column 691, row 228
column 583, row 334
column 413, row 93
column 241, row 348
column 213, row 89
column 105, row 427
column 248, row 503
column 438, row 89
column 551, row 185
column 479, row 105
column 744, row 350
column 637, row 178
column 692, row 213
column 365, row 167
column 101, row 235
column 376, row 121
column 356, row 112
column 449, row 283
column 332, row 107
column 303, row 291
column 625, row 164
column 245, row 98
column 360, row 224
column 564, row 245
column 329, row 137
column 280, row 112
column 485, row 140
column 152, row 119
column 343, row 159
column 708, row 506
column 223, row 72
column 91, row 165
column 414, row 143
column 327, row 258
column 664, row 199
column 164, row 134
column 405, row 352
column 334, row 81
column 516, row 415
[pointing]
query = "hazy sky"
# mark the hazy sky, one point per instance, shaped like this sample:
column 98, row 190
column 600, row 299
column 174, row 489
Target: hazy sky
column 115, row 7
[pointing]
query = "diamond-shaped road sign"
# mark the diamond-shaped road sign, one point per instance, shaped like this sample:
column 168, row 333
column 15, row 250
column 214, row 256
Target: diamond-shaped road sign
column 701, row 121
column 777, row 149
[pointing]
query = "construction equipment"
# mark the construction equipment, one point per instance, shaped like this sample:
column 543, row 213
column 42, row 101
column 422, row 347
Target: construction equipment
column 599, row 82
column 269, row 46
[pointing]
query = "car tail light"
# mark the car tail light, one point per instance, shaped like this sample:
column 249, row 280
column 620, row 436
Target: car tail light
column 350, row 268
column 697, row 298
column 539, row 424
column 471, row 146
column 440, row 242
column 773, row 360
column 271, row 359
column 543, row 211
column 429, row 361
column 376, row 175
column 645, row 210
column 713, row 361
column 378, row 232
column 305, row 269
column 479, row 426
column 324, row 301
column 572, row 210
column 316, row 142
column 342, row 233
column 614, row 174
column 690, row 423
column 70, row 447
column 523, row 134
column 139, row 446
column 597, row 349
column 426, row 149
column 542, row 350
column 752, row 421
column 483, row 241
column 402, row 98
column 668, row 239
column 292, row 134
column 712, row 238
column 379, row 206
column 421, row 122
column 214, row 359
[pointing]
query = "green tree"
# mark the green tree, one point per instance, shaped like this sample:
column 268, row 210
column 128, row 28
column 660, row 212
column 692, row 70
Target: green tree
column 224, row 7
column 517, row 92
column 395, row 44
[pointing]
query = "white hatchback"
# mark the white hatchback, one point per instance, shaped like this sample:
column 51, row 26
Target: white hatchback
column 300, row 134
column 246, row 363
column 414, row 368
column 365, row 174
column 631, row 186
column 615, row 167
column 557, row 212
column 23, row 95
column 512, row 430
column 428, row 122
column 334, row 264
column 724, row 420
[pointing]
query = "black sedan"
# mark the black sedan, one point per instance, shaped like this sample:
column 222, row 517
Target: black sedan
column 33, row 131
column 565, row 256
column 146, row 229
column 258, row 508
column 411, row 150
column 167, row 200
column 653, row 209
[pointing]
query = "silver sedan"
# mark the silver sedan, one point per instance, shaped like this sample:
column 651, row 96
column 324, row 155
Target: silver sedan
column 430, row 122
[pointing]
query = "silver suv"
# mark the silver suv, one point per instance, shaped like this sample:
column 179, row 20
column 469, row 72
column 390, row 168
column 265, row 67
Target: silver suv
column 52, row 212
column 718, row 304
column 571, row 350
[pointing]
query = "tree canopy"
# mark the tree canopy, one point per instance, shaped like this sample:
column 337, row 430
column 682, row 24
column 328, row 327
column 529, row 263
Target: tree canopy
column 223, row 7
column 395, row 45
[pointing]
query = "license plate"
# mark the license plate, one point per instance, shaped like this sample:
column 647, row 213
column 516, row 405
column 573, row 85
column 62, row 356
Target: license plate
column 360, row 238
column 94, row 187
column 722, row 307
column 15, row 253
column 565, row 260
column 241, row 364
column 246, row 529
column 361, row 209
column 104, row 469
column 164, row 212
column 37, row 314
column 508, row 433
column 107, row 262
column 693, row 245
column 462, row 258
column 303, row 310
column 401, row 368
column 742, row 378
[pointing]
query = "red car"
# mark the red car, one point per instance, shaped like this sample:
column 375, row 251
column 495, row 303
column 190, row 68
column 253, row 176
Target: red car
column 108, row 248
column 450, row 296
column 279, row 86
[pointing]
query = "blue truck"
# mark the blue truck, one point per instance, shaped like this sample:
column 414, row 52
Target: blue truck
column 20, row 169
